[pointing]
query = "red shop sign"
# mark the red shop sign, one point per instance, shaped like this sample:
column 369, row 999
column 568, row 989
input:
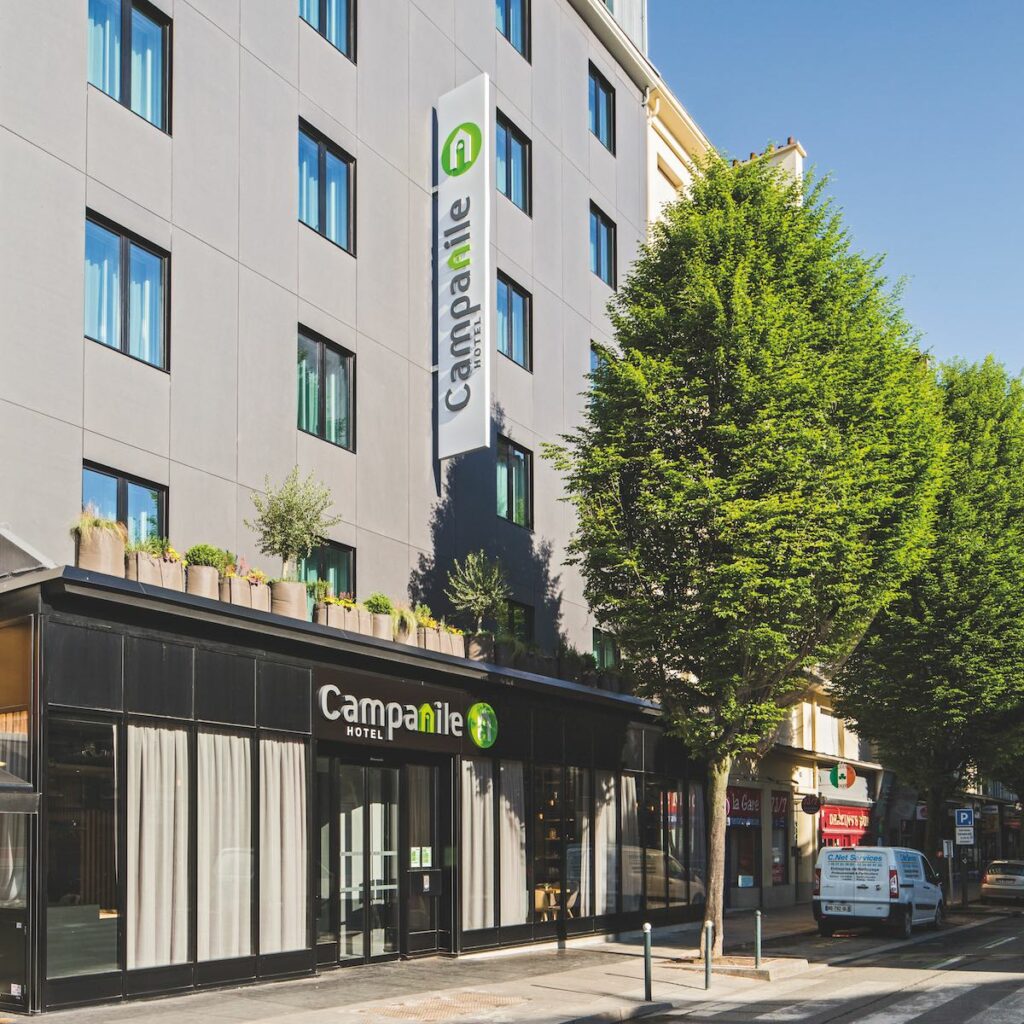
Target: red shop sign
column 851, row 822
column 743, row 806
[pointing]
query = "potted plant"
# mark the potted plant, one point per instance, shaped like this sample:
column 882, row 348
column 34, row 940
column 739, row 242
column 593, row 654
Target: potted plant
column 320, row 591
column 244, row 586
column 345, row 613
column 477, row 588
column 381, row 607
column 154, row 562
column 428, row 630
column 453, row 641
column 206, row 564
column 290, row 521
column 404, row 626
column 99, row 543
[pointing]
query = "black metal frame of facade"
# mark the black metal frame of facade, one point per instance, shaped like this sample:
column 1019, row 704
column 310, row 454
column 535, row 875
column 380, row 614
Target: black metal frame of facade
column 323, row 344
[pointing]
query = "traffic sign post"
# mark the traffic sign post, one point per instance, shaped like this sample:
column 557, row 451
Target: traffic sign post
column 947, row 856
column 964, row 835
column 964, row 817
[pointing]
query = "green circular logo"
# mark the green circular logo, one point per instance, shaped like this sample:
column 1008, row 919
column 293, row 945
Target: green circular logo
column 483, row 725
column 461, row 149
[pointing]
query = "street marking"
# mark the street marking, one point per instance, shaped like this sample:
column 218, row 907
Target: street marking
column 1009, row 1010
column 907, row 1010
column 1000, row 942
column 946, row 963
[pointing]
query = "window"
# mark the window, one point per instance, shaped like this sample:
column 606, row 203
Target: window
column 780, row 838
column 129, row 56
column 335, row 563
column 602, row 246
column 326, row 386
column 334, row 20
column 326, row 188
column 515, row 470
column 515, row 322
column 513, row 21
column 141, row 506
column 606, row 654
column 125, row 287
column 602, row 109
column 477, row 874
column 513, row 164
column 519, row 618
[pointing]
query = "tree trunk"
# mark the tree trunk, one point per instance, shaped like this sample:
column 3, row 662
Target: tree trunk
column 936, row 803
column 718, row 784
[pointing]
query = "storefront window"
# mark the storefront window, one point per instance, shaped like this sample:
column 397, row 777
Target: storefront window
column 780, row 838
column 698, row 859
column 547, row 843
column 606, row 850
column 743, row 837
column 515, row 895
column 81, row 883
column 675, row 858
column 13, row 861
column 283, row 892
column 15, row 700
column 632, row 851
column 158, row 859
column 654, row 843
column 224, row 846
column 477, row 844
column 577, row 839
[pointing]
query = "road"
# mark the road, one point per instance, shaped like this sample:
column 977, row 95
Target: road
column 954, row 976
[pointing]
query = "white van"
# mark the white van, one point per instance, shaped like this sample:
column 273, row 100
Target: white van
column 876, row 885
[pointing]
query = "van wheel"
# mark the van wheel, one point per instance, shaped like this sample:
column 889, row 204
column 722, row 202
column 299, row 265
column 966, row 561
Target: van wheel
column 825, row 929
column 905, row 924
column 940, row 915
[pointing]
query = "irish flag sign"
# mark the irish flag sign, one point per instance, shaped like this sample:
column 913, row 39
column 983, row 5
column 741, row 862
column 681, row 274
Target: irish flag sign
column 842, row 776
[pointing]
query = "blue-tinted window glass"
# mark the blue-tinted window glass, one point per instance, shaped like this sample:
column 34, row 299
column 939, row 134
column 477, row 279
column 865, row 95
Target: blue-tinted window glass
column 337, row 171
column 501, row 159
column 512, row 164
column 309, row 385
column 337, row 24
column 514, row 470
column 146, row 306
column 503, row 480
column 594, row 258
column 337, row 367
column 147, row 68
column 309, row 182
column 334, row 563
column 503, row 318
column 519, row 324
column 143, row 518
column 99, row 491
column 513, row 326
column 102, row 285
column 309, row 11
column 595, row 358
column 519, row 153
column 105, row 46
column 602, row 246
column 511, row 20
column 602, row 108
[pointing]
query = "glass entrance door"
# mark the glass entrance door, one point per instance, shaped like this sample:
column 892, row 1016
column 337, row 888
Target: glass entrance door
column 13, row 908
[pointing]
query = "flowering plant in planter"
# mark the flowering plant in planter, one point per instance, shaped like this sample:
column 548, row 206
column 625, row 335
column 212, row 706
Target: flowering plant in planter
column 244, row 586
column 344, row 612
column 206, row 564
column 99, row 542
column 152, row 560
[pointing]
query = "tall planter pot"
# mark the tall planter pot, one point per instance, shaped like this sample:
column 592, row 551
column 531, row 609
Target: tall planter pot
column 100, row 551
column 288, row 598
column 453, row 643
column 236, row 590
column 155, row 571
column 203, row 581
column 430, row 639
column 259, row 595
column 408, row 636
column 480, row 648
column 382, row 628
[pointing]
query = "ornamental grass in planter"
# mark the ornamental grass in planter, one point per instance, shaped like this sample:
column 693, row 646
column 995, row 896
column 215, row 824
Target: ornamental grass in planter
column 206, row 564
column 99, row 543
column 382, row 608
column 154, row 562
column 290, row 521
column 404, row 626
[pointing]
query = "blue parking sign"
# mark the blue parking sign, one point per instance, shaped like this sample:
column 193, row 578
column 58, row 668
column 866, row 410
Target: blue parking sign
column 965, row 817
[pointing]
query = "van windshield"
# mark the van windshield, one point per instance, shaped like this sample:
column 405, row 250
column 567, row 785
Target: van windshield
column 1002, row 867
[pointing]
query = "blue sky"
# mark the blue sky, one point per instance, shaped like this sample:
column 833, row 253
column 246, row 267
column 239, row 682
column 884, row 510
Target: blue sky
column 916, row 109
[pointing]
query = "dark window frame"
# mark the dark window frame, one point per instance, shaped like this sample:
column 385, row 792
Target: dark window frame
column 353, row 7
column 338, row 545
column 126, row 239
column 323, row 344
column 525, row 52
column 123, row 480
column 324, row 146
column 506, row 446
column 527, row 363
column 599, row 639
column 125, row 77
column 529, row 620
column 601, row 83
column 603, row 220
column 513, row 134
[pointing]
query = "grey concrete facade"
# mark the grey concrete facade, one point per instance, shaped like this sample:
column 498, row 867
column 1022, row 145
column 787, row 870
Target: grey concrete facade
column 219, row 192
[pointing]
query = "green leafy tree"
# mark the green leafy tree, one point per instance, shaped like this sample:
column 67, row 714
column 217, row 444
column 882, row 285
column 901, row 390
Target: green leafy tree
column 291, row 519
column 477, row 587
column 755, row 475
column 938, row 680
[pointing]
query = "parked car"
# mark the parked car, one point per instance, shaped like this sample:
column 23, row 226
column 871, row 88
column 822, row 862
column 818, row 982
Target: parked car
column 1003, row 879
column 876, row 885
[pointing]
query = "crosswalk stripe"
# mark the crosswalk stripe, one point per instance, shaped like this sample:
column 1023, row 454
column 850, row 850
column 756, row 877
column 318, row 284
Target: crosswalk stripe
column 906, row 1010
column 1002, row 942
column 808, row 1008
column 1009, row 1010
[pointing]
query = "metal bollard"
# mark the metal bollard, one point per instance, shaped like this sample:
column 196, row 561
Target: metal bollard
column 647, row 962
column 757, row 939
column 708, row 938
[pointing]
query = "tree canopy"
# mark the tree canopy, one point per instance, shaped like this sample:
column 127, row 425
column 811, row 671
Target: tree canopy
column 938, row 681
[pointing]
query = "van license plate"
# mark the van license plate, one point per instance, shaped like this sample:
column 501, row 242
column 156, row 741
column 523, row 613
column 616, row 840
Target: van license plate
column 837, row 908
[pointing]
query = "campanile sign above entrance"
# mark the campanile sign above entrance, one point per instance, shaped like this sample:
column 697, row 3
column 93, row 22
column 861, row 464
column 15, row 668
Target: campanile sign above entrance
column 462, row 250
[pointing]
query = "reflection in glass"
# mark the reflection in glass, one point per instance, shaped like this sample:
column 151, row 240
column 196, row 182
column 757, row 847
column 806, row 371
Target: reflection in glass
column 147, row 68
column 697, row 844
column 477, row 844
column 337, row 186
column 99, row 490
column 81, row 881
column 515, row 896
column 547, row 843
column 143, row 519
column 309, row 181
column 102, row 285
column 577, row 839
column 382, row 799
column 224, row 846
column 309, row 385
column 606, row 853
column 146, row 306
column 105, row 46
column 675, row 835
column 337, row 24
column 654, row 842
column 13, row 862
column 15, row 701
column 350, row 873
column 632, row 851
column 337, row 368
column 421, row 908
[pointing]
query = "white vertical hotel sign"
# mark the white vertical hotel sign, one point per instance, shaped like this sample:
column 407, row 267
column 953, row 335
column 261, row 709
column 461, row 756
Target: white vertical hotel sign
column 465, row 180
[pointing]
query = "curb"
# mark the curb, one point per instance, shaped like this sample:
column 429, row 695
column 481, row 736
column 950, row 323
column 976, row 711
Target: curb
column 626, row 1013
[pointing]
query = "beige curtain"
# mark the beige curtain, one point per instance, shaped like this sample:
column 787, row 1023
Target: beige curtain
column 477, row 844
column 283, row 895
column 224, row 846
column 158, row 900
column 515, row 898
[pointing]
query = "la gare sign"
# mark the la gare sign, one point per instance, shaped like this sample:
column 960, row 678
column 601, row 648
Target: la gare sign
column 385, row 712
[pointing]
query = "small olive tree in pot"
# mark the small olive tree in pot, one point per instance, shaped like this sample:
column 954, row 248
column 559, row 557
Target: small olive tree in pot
column 290, row 521
column 477, row 588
